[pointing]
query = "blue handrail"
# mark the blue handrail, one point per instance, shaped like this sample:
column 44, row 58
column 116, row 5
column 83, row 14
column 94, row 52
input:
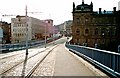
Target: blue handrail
column 106, row 60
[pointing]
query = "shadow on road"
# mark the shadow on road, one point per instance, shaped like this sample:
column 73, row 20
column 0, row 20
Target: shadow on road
column 24, row 66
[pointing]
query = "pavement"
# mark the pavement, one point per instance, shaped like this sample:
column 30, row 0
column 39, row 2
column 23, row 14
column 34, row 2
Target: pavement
column 61, row 62
column 67, row 64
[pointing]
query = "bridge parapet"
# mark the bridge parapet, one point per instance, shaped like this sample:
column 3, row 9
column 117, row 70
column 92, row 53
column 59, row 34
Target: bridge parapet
column 106, row 60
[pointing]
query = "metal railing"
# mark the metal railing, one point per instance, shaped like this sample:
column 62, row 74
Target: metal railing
column 22, row 45
column 106, row 60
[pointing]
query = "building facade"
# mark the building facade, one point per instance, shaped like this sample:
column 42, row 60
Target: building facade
column 35, row 28
column 68, row 25
column 1, row 36
column 6, row 27
column 100, row 29
column 119, row 5
column 64, row 28
column 49, row 27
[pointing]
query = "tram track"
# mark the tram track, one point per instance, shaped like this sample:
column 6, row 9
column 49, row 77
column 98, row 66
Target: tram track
column 31, row 72
column 4, row 57
column 20, row 62
column 8, row 56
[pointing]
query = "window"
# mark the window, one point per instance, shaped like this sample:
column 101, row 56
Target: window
column 48, row 21
column 96, row 31
column 86, row 20
column 86, row 31
column 77, row 32
column 103, row 32
column 112, row 31
column 78, row 20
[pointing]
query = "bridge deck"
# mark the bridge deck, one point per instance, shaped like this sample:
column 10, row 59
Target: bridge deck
column 67, row 64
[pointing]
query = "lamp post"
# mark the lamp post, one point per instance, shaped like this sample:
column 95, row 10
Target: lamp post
column 45, row 34
column 26, row 57
column 26, row 31
column 53, row 33
column 1, row 36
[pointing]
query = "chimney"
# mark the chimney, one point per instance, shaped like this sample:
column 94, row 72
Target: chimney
column 99, row 10
column 104, row 11
column 73, row 6
column 82, row 1
column 114, row 9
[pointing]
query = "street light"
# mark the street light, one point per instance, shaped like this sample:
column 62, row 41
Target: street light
column 1, row 36
column 26, row 31
column 53, row 34
column 45, row 33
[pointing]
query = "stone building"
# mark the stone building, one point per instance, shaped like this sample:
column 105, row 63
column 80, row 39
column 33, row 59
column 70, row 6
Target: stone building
column 100, row 29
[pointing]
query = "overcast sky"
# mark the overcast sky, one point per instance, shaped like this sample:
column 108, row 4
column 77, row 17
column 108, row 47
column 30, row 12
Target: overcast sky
column 58, row 10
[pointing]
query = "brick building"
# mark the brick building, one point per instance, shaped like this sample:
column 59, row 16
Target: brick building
column 100, row 29
column 6, row 27
column 49, row 27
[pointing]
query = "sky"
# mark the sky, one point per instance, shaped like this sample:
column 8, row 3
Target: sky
column 58, row 10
